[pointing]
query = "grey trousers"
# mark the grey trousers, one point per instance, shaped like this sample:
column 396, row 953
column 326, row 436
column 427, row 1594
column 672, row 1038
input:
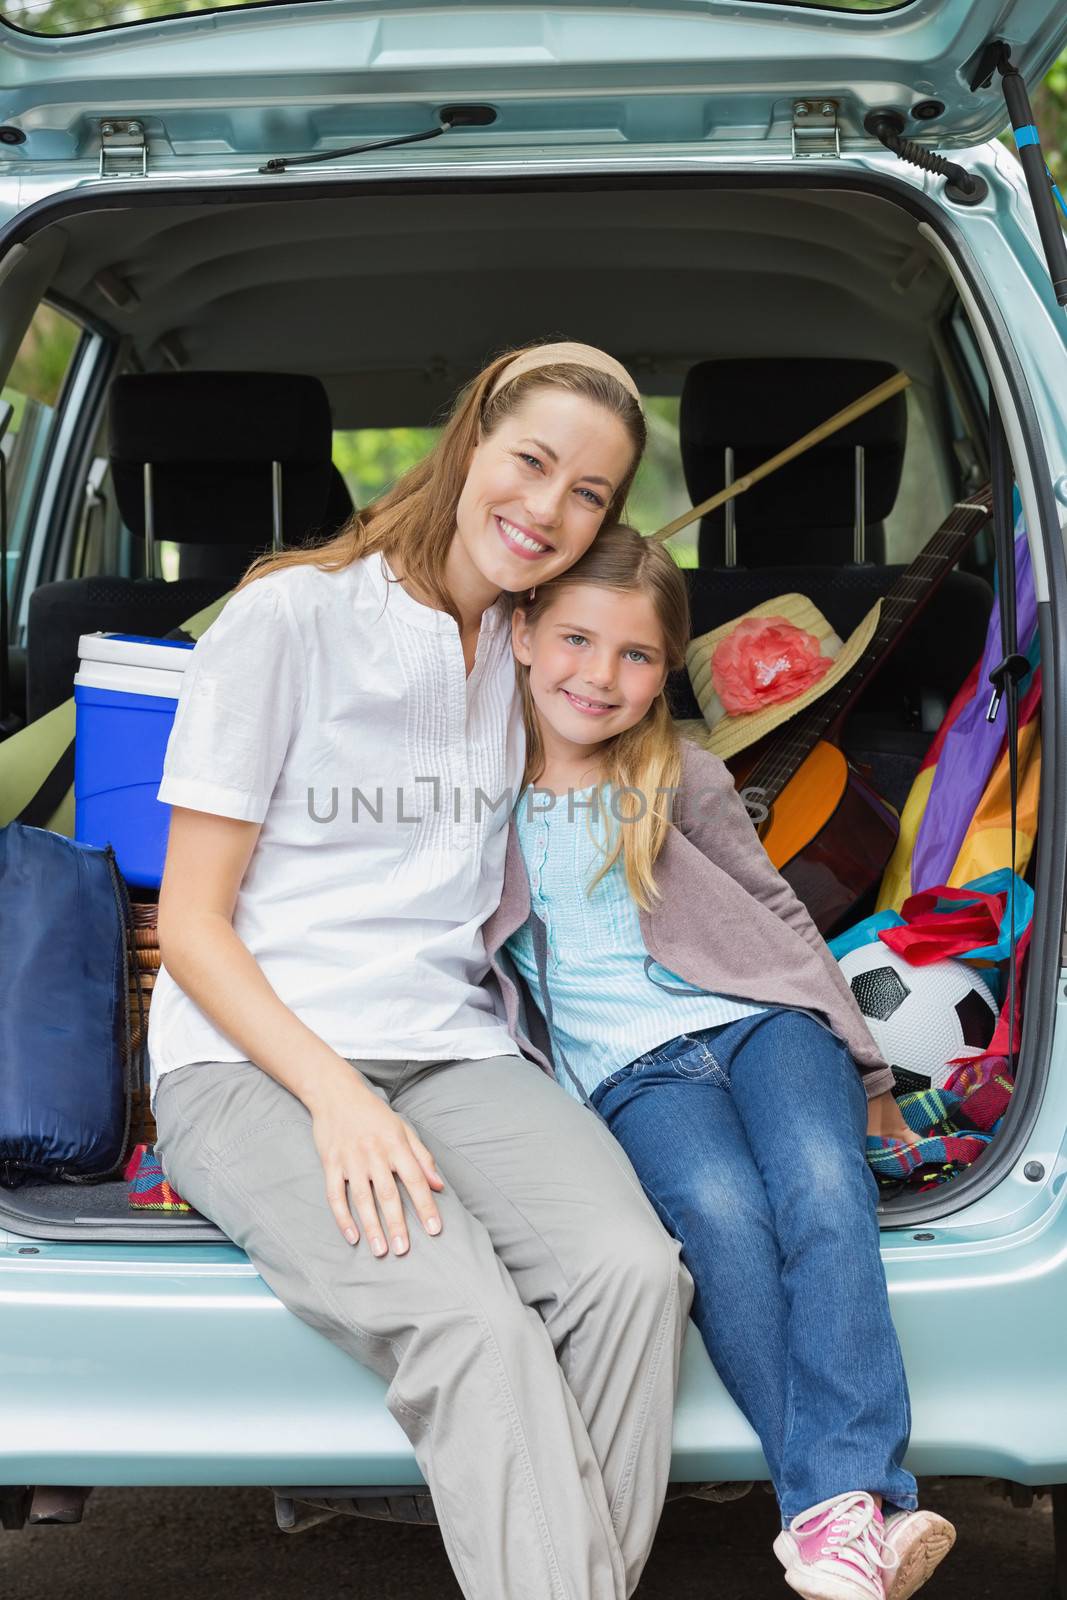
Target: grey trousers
column 531, row 1348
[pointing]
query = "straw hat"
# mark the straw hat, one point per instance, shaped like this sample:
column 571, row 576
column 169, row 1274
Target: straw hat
column 727, row 734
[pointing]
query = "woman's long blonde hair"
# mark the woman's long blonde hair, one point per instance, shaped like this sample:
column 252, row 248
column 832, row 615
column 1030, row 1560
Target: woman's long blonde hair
column 415, row 520
column 647, row 757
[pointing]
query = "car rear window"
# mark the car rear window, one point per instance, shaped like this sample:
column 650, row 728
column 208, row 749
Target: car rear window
column 370, row 459
column 88, row 16
column 842, row 5
column 58, row 17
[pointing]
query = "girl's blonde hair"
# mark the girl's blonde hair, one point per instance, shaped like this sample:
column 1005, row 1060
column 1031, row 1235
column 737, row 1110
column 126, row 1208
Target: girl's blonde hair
column 415, row 520
column 647, row 757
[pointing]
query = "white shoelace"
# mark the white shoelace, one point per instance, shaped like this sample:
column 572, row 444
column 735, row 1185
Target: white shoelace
column 851, row 1534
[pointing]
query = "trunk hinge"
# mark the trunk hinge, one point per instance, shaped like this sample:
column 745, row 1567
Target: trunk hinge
column 815, row 129
column 123, row 149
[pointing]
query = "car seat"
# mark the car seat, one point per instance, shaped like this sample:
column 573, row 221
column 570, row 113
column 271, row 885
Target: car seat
column 795, row 532
column 756, row 408
column 209, row 441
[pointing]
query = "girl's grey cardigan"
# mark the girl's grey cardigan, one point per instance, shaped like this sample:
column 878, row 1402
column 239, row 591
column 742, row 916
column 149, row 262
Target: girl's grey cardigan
column 725, row 919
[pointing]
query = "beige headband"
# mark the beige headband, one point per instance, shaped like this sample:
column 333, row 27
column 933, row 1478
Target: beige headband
column 576, row 355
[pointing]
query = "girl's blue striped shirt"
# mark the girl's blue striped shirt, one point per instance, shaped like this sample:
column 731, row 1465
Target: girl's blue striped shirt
column 606, row 1008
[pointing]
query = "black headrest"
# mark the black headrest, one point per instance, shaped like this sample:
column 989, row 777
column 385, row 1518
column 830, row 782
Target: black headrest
column 211, row 438
column 228, row 561
column 759, row 407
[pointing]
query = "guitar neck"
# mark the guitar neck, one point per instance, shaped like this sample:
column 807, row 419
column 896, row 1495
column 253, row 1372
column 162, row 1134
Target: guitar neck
column 901, row 605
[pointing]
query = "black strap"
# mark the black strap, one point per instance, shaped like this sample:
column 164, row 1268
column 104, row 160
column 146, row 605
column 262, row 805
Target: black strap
column 671, row 988
column 540, row 944
column 133, row 1072
column 42, row 806
column 1013, row 666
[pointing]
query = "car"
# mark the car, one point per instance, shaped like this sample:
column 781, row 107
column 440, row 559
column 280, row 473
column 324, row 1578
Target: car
column 235, row 217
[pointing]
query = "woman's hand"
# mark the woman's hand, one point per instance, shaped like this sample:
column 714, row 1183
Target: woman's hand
column 363, row 1144
column 884, row 1120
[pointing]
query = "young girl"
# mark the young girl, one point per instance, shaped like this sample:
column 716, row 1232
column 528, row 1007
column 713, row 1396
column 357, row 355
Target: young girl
column 690, row 1000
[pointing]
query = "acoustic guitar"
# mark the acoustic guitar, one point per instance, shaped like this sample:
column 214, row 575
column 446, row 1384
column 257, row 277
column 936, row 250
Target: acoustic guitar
column 826, row 830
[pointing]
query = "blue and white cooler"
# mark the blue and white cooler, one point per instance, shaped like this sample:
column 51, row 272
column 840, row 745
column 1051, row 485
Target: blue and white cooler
column 125, row 694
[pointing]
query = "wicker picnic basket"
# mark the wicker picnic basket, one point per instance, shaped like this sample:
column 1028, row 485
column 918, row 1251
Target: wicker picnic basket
column 145, row 968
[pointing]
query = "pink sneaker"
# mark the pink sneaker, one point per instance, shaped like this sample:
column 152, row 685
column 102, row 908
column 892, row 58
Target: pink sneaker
column 920, row 1540
column 834, row 1551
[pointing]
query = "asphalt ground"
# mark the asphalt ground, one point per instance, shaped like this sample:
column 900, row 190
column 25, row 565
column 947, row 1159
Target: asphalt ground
column 197, row 1544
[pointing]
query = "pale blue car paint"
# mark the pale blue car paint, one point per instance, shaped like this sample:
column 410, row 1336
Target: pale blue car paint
column 223, row 85
column 175, row 1364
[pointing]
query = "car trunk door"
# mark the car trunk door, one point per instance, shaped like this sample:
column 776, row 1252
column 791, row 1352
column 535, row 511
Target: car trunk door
column 219, row 91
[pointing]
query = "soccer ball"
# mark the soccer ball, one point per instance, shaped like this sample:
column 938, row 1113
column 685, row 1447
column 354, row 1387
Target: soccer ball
column 921, row 1017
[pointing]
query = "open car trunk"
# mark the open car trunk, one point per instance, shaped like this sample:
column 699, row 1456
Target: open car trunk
column 393, row 294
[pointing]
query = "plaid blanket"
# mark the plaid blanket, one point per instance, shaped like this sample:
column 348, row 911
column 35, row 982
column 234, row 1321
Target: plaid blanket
column 956, row 1123
column 149, row 1189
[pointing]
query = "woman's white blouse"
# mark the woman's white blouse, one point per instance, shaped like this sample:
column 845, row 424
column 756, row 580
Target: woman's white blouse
column 335, row 709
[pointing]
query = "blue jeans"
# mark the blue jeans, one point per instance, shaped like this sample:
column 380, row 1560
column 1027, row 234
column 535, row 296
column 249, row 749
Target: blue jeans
column 749, row 1141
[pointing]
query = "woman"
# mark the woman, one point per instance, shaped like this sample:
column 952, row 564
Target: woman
column 328, row 1067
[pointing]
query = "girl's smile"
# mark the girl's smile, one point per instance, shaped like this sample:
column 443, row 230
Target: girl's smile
column 595, row 708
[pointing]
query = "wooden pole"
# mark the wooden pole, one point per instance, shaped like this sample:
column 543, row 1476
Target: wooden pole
column 858, row 408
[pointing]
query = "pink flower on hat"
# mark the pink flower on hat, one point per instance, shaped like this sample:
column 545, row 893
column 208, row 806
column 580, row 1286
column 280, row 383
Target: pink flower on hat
column 763, row 661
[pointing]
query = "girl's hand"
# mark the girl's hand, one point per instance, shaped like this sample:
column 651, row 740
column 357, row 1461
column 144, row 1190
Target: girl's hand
column 885, row 1121
column 363, row 1144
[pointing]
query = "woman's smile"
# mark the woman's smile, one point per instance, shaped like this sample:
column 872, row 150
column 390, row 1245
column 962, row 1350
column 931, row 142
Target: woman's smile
column 520, row 541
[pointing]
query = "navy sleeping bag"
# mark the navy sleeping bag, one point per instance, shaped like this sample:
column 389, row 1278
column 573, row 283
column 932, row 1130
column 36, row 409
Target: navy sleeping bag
column 64, row 1009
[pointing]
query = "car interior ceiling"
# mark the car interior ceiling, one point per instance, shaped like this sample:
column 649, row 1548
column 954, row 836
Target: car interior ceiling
column 782, row 306
column 763, row 311
column 393, row 301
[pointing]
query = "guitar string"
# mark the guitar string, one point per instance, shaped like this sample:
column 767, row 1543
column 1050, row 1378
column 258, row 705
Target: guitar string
column 779, row 765
column 770, row 775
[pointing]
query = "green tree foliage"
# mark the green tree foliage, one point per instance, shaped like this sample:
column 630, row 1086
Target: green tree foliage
column 80, row 16
column 44, row 356
column 1050, row 107
column 373, row 458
